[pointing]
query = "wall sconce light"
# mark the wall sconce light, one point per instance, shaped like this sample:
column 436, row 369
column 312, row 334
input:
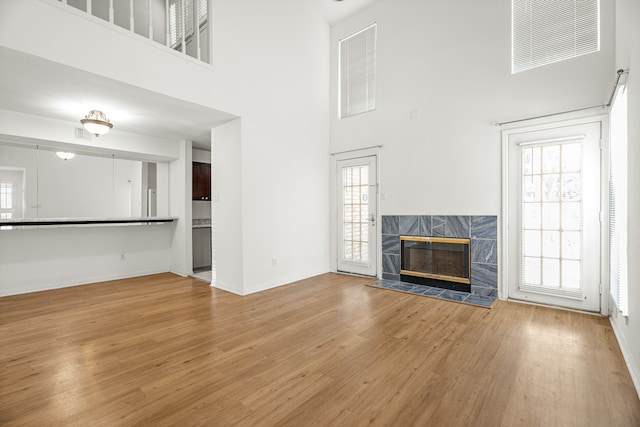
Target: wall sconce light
column 64, row 155
column 96, row 123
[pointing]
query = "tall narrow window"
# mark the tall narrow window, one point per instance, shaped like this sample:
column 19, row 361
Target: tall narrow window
column 548, row 31
column 551, row 236
column 355, row 181
column 6, row 199
column 358, row 72
column 618, row 202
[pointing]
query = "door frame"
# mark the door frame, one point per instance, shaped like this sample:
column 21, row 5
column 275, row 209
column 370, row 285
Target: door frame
column 538, row 125
column 333, row 205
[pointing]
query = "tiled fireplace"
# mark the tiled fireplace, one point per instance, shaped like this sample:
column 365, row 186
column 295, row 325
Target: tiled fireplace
column 482, row 232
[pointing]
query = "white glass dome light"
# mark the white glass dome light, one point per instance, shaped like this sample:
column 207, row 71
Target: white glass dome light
column 97, row 123
column 64, row 155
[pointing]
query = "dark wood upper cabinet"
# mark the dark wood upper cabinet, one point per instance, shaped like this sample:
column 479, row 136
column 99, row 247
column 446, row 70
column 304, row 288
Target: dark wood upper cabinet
column 201, row 181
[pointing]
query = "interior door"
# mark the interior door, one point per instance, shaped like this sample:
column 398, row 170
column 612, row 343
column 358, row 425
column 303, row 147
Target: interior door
column 357, row 215
column 554, row 229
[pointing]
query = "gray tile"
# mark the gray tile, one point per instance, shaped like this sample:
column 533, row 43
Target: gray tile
column 403, row 286
column 484, row 251
column 425, row 225
column 454, row 295
column 484, row 301
column 434, row 292
column 457, row 226
column 389, row 224
column 484, row 291
column 390, row 244
column 484, row 275
column 391, row 263
column 391, row 276
column 409, row 225
column 385, row 282
column 484, row 227
column 438, row 226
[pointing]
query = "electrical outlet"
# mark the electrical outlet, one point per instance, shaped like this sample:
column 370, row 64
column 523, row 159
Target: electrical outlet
column 274, row 262
column 123, row 256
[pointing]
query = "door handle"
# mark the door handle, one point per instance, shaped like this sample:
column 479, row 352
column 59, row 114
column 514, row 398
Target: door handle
column 373, row 219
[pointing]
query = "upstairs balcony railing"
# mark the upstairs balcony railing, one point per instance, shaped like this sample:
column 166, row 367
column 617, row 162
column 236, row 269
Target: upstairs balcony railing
column 182, row 25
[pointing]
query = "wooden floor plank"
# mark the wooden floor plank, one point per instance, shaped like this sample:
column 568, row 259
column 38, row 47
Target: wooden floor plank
column 329, row 350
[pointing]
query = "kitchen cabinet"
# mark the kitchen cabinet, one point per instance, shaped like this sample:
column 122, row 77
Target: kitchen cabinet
column 201, row 181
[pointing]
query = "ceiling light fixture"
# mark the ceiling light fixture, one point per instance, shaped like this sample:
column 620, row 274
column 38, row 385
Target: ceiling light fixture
column 96, row 123
column 64, row 155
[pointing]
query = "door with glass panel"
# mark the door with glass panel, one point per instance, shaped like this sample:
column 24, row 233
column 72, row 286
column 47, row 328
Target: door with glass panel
column 554, row 212
column 357, row 210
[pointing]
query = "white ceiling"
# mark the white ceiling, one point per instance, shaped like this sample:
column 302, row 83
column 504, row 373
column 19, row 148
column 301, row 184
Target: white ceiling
column 335, row 11
column 36, row 86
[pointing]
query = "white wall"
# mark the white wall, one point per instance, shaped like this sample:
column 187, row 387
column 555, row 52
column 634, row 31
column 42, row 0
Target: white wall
column 271, row 67
column 180, row 207
column 227, row 266
column 47, row 258
column 449, row 63
column 628, row 57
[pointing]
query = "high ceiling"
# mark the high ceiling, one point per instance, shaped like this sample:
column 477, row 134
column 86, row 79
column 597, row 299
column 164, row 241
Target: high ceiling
column 36, row 86
column 335, row 11
column 39, row 87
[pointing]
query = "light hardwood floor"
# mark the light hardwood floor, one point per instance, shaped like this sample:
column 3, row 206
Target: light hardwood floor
column 165, row 350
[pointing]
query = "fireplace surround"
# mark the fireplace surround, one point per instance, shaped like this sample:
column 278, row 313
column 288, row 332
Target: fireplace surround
column 481, row 231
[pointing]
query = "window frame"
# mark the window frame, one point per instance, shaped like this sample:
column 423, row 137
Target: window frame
column 369, row 74
column 559, row 39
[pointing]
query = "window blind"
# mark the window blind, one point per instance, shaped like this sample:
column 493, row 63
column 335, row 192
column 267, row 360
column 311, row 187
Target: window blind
column 618, row 263
column 548, row 31
column 358, row 72
column 178, row 8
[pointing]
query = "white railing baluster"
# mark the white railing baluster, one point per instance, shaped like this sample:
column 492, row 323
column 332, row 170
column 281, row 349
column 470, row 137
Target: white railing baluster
column 183, row 8
column 168, row 23
column 196, row 29
column 180, row 7
column 131, row 23
column 150, row 19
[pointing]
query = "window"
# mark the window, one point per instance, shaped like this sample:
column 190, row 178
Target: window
column 618, row 201
column 358, row 73
column 178, row 8
column 548, row 31
column 551, row 235
column 6, row 199
column 355, row 181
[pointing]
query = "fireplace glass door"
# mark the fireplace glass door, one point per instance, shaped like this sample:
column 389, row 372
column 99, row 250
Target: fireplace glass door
column 435, row 258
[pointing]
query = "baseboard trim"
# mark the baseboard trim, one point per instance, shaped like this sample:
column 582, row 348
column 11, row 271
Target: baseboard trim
column 634, row 371
column 227, row 288
column 85, row 281
column 288, row 281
